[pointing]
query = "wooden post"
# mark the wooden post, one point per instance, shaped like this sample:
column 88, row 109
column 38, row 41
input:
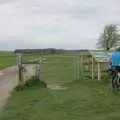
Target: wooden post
column 81, row 65
column 92, row 68
column 20, row 75
column 99, row 72
column 19, row 63
column 90, row 64
column 75, row 67
column 40, row 69
column 78, row 66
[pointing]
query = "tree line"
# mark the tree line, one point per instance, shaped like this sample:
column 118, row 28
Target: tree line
column 48, row 51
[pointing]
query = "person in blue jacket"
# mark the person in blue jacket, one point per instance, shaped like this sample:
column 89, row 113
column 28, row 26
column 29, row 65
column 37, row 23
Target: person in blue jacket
column 114, row 63
column 115, row 60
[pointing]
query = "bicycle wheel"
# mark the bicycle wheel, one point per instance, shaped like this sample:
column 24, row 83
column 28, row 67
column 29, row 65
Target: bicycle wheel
column 115, row 84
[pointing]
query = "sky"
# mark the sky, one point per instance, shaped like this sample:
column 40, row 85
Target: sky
column 68, row 24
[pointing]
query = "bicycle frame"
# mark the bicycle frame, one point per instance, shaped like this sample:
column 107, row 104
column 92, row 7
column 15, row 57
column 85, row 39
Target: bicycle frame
column 115, row 79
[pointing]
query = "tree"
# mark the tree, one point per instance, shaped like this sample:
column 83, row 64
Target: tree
column 109, row 37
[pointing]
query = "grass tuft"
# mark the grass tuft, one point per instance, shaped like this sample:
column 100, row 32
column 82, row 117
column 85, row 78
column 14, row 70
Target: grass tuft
column 32, row 82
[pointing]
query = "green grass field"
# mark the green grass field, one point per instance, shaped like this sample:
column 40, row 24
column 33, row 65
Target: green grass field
column 7, row 61
column 83, row 100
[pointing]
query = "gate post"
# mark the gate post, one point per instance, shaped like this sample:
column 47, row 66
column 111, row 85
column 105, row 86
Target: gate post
column 20, row 73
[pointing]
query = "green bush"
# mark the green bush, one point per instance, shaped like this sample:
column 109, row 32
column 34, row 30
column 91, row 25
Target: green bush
column 19, row 88
column 33, row 81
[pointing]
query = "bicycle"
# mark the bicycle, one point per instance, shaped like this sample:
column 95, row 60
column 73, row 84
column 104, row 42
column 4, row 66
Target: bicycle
column 115, row 74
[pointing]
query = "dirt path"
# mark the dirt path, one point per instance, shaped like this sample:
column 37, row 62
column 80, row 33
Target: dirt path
column 8, row 80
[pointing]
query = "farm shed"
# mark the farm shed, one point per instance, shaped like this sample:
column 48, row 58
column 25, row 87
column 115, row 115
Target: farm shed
column 95, row 62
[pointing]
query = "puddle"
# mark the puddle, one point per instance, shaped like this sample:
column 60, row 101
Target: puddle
column 57, row 87
column 1, row 73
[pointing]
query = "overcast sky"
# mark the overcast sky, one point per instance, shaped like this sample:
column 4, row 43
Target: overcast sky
column 70, row 24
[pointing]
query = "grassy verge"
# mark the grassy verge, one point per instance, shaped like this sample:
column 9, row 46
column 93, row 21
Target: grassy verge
column 83, row 100
column 7, row 61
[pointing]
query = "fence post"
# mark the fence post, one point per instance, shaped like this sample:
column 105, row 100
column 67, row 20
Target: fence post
column 99, row 72
column 92, row 68
column 20, row 68
column 75, row 68
column 40, row 69
column 81, row 63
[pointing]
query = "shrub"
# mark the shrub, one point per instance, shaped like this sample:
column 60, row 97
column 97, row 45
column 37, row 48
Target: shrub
column 33, row 81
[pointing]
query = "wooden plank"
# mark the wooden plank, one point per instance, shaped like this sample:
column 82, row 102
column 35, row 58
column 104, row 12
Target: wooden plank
column 41, row 68
column 20, row 69
column 90, row 65
column 92, row 68
column 20, row 72
column 99, row 72
column 78, row 66
column 81, row 60
column 75, row 68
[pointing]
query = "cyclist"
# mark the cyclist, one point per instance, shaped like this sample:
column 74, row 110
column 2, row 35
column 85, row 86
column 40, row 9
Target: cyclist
column 115, row 60
column 114, row 63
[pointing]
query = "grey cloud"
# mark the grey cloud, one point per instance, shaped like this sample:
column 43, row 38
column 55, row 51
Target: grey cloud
column 53, row 23
column 5, row 1
column 11, row 43
column 76, row 7
column 90, row 10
